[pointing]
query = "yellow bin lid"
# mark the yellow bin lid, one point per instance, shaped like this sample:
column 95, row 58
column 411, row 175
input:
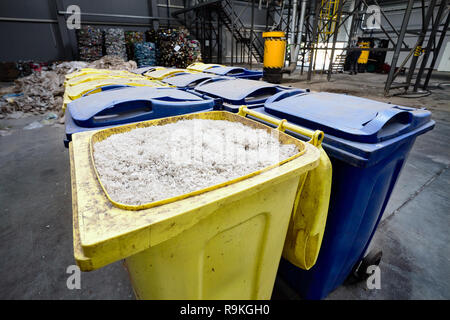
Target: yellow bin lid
column 274, row 34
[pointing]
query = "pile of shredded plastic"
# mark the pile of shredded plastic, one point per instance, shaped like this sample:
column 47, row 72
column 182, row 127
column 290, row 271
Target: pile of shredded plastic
column 158, row 162
column 43, row 91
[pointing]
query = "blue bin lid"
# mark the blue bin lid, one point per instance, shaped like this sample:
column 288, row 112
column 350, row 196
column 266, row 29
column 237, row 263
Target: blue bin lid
column 226, row 71
column 72, row 127
column 348, row 117
column 183, row 80
column 239, row 91
column 133, row 104
column 143, row 70
column 236, row 72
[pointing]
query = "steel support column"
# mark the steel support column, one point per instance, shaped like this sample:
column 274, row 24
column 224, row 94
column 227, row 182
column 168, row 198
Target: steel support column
column 412, row 65
column 335, row 35
column 436, row 52
column 401, row 36
column 430, row 44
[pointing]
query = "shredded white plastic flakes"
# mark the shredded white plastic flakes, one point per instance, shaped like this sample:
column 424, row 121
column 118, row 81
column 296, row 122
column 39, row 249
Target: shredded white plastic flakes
column 159, row 162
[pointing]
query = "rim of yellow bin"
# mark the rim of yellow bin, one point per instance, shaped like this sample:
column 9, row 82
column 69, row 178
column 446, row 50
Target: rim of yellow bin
column 77, row 91
column 105, row 133
column 273, row 34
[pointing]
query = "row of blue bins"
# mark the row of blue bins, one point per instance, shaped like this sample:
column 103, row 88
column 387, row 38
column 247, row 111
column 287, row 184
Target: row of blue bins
column 367, row 141
column 226, row 71
column 193, row 92
column 236, row 72
column 130, row 104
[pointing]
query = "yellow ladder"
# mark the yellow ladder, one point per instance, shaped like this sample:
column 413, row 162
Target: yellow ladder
column 327, row 22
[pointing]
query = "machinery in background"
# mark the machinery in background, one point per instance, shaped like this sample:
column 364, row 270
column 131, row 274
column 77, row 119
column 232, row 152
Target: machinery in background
column 370, row 61
column 364, row 56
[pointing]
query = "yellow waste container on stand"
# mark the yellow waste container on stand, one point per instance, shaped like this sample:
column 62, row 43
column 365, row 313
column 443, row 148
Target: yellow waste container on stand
column 223, row 242
column 274, row 53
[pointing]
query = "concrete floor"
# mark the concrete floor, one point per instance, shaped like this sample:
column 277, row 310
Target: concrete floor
column 36, row 217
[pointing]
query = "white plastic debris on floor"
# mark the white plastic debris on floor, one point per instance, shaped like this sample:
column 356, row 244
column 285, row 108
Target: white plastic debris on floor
column 42, row 92
column 158, row 162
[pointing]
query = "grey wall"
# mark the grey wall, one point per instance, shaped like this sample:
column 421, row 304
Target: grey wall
column 39, row 38
column 41, row 41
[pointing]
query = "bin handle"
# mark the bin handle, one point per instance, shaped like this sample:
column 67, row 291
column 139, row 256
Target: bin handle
column 105, row 88
column 282, row 125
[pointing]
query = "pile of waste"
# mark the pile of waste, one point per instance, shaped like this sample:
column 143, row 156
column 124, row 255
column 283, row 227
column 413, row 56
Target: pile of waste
column 90, row 43
column 113, row 63
column 145, row 54
column 115, row 42
column 174, row 48
column 37, row 93
column 131, row 37
column 42, row 91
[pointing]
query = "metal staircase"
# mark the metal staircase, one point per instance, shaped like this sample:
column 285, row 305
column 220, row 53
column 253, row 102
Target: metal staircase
column 227, row 17
column 251, row 40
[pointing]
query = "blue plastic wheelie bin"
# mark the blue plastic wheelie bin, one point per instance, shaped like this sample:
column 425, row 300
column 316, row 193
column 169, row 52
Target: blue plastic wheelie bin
column 130, row 104
column 368, row 143
column 236, row 72
column 188, row 80
column 143, row 70
column 234, row 93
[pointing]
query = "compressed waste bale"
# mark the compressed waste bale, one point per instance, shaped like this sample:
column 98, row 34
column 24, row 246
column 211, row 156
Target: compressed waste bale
column 158, row 162
column 194, row 52
column 115, row 43
column 153, row 37
column 90, row 43
column 145, row 54
column 131, row 37
column 174, row 48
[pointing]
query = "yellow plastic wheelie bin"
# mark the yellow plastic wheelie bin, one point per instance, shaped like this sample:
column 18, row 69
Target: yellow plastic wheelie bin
column 163, row 73
column 93, row 73
column 85, row 88
column 100, row 76
column 222, row 242
column 200, row 66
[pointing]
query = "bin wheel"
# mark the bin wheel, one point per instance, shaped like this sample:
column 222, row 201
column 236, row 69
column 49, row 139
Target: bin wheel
column 359, row 272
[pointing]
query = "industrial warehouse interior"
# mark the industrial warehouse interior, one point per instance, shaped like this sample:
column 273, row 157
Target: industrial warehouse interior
column 225, row 150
